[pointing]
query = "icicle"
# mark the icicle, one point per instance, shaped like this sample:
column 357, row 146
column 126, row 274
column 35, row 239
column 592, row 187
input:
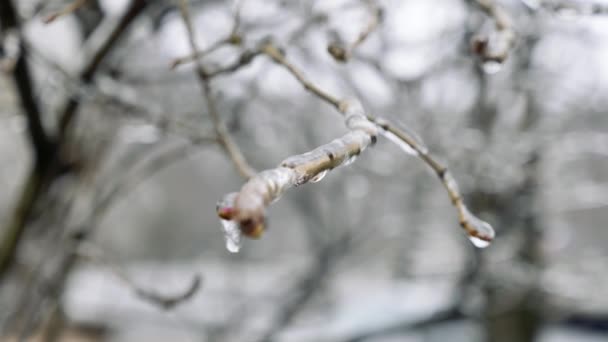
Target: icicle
column 479, row 243
column 232, row 235
column 318, row 177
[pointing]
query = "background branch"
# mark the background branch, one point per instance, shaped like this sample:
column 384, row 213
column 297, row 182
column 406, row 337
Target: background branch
column 221, row 131
column 94, row 254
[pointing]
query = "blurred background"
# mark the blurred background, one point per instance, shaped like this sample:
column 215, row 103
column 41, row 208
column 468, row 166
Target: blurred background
column 111, row 170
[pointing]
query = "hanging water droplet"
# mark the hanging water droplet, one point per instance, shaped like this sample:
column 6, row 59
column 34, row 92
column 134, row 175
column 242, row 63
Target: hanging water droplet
column 479, row 243
column 350, row 160
column 318, row 177
column 491, row 67
column 484, row 233
column 232, row 235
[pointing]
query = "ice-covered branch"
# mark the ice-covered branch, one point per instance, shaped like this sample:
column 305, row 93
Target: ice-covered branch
column 480, row 232
column 245, row 211
column 496, row 47
column 341, row 52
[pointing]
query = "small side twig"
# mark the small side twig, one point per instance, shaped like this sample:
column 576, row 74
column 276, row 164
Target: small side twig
column 342, row 53
column 244, row 59
column 233, row 38
column 91, row 252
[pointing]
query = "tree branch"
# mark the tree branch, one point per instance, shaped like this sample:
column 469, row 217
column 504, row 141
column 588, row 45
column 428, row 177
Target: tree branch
column 90, row 69
column 42, row 144
column 221, row 131
column 233, row 38
column 244, row 212
column 166, row 302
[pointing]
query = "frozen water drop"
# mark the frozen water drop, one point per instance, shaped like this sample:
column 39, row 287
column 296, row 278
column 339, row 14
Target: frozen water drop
column 318, row 177
column 491, row 67
column 479, row 243
column 232, row 235
column 484, row 233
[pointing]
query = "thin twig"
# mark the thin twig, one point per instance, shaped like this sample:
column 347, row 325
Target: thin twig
column 244, row 59
column 343, row 53
column 95, row 254
column 278, row 57
column 224, row 138
column 233, row 38
column 72, row 7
